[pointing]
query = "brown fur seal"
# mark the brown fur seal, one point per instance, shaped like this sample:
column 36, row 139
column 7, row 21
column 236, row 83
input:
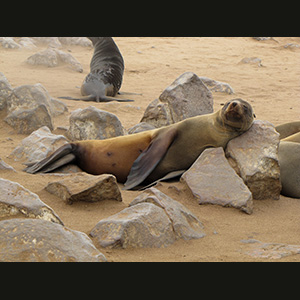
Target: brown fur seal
column 150, row 155
column 105, row 78
column 289, row 162
column 288, row 129
column 289, row 158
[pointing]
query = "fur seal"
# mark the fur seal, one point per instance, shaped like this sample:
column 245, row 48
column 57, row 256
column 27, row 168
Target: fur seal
column 289, row 158
column 150, row 155
column 106, row 73
column 288, row 129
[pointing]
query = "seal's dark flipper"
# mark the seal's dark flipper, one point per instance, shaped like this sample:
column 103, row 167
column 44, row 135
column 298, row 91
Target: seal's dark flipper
column 150, row 158
column 129, row 93
column 59, row 158
column 108, row 99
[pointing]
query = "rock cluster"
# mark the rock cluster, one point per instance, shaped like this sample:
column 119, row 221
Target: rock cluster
column 35, row 233
column 152, row 220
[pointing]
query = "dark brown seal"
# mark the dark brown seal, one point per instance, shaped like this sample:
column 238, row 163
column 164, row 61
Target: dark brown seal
column 150, row 155
column 106, row 73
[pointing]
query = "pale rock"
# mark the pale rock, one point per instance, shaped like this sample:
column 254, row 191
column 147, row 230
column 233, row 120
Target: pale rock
column 254, row 156
column 32, row 240
column 212, row 180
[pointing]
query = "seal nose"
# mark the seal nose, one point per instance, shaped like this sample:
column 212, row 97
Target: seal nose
column 234, row 104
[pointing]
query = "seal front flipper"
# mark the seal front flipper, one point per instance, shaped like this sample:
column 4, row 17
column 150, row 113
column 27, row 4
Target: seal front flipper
column 150, row 158
column 59, row 158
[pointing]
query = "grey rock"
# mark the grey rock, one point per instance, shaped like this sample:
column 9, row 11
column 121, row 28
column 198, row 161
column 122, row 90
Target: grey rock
column 86, row 187
column 251, row 60
column 80, row 41
column 186, row 97
column 31, row 96
column 254, row 156
column 25, row 121
column 140, row 127
column 6, row 167
column 5, row 91
column 259, row 249
column 53, row 57
column 142, row 225
column 38, row 145
column 32, row 240
column 9, row 43
column 49, row 41
column 185, row 225
column 212, row 180
column 217, row 86
column 152, row 220
column 17, row 200
column 92, row 123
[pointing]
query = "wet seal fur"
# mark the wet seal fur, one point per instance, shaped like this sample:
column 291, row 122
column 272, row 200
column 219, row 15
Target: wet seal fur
column 147, row 156
column 104, row 81
column 289, row 158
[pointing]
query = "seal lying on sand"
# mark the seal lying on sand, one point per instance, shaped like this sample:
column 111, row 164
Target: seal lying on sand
column 150, row 155
column 105, row 78
column 289, row 158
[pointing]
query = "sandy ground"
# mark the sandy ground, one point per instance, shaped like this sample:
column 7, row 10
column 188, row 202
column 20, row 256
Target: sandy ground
column 153, row 63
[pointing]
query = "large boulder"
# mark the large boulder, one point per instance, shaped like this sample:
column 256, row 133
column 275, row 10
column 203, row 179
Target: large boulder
column 152, row 220
column 186, row 97
column 212, row 180
column 254, row 156
column 16, row 200
column 32, row 240
column 92, row 123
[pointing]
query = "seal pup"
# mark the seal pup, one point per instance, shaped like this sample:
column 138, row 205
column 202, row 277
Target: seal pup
column 150, row 155
column 106, row 73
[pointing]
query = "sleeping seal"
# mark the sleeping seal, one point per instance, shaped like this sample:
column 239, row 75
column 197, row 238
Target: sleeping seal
column 150, row 155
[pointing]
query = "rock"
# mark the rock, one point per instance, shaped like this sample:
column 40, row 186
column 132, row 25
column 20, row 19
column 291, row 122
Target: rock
column 186, row 97
column 185, row 225
column 49, row 41
column 38, row 145
column 5, row 91
column 254, row 156
column 30, row 107
column 152, row 220
column 5, row 167
column 52, row 57
column 27, row 43
column 142, row 225
column 140, row 127
column 80, row 41
column 251, row 60
column 217, row 86
column 94, row 124
column 16, row 200
column 31, row 240
column 31, row 96
column 25, row 121
column 212, row 180
column 86, row 187
column 9, row 43
column 270, row 250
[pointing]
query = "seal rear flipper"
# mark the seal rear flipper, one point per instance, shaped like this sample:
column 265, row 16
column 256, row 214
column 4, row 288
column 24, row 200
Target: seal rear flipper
column 150, row 158
column 109, row 99
column 59, row 158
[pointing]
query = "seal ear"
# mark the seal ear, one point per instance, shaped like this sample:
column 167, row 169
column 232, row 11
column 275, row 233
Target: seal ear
column 150, row 158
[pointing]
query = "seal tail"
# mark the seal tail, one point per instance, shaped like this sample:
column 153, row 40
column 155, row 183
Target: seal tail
column 62, row 156
column 98, row 99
